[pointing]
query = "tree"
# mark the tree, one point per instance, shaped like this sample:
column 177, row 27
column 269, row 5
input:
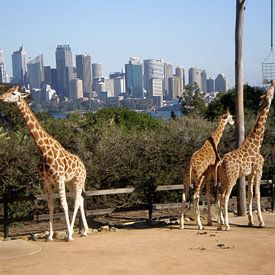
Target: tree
column 239, row 96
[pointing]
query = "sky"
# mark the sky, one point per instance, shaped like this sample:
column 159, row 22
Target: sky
column 189, row 33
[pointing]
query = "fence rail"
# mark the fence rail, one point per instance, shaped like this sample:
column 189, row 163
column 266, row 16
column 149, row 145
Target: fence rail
column 150, row 206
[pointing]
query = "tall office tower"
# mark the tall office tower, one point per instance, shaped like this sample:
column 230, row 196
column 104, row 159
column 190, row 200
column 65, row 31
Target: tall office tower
column 36, row 72
column 153, row 78
column 194, row 77
column 181, row 74
column 167, row 73
column 221, row 84
column 210, row 85
column 119, row 82
column 76, row 89
column 47, row 75
column 175, row 86
column 64, row 70
column 3, row 75
column 84, row 72
column 203, row 81
column 134, row 78
column 97, row 73
column 19, row 66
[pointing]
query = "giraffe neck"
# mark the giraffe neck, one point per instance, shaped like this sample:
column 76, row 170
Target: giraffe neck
column 256, row 135
column 219, row 131
column 35, row 128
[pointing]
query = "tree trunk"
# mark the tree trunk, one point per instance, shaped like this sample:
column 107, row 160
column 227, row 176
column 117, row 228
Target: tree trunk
column 241, row 205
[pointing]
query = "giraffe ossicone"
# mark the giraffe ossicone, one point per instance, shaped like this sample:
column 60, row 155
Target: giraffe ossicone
column 58, row 168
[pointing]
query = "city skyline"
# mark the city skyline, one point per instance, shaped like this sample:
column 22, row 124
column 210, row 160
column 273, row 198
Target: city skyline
column 186, row 33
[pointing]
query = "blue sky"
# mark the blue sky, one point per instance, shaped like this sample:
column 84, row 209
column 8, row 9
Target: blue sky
column 182, row 32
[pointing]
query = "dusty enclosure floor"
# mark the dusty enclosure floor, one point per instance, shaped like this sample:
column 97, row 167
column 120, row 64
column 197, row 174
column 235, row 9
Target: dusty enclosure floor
column 157, row 250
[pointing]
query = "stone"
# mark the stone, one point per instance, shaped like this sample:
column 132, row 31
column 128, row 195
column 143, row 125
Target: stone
column 104, row 228
column 60, row 235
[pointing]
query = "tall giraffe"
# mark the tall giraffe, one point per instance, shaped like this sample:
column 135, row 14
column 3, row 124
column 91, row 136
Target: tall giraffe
column 58, row 168
column 201, row 167
column 245, row 161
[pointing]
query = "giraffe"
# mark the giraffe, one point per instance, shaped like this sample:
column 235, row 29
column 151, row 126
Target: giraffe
column 58, row 168
column 201, row 168
column 244, row 161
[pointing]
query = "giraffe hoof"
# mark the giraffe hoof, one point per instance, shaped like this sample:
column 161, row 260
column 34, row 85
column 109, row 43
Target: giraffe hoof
column 49, row 239
column 250, row 224
column 200, row 227
column 219, row 228
column 84, row 234
column 262, row 225
column 209, row 223
column 227, row 228
column 69, row 239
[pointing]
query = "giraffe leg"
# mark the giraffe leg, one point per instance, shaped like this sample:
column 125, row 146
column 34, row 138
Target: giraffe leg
column 226, row 199
column 209, row 199
column 250, row 197
column 197, row 203
column 78, row 203
column 220, row 216
column 62, row 194
column 184, row 193
column 84, row 221
column 49, row 194
column 258, row 200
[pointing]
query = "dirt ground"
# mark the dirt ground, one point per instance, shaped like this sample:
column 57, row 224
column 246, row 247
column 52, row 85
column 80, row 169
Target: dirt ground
column 161, row 250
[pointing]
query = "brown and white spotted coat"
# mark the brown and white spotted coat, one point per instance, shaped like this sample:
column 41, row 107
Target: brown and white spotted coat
column 200, row 169
column 58, row 168
column 245, row 161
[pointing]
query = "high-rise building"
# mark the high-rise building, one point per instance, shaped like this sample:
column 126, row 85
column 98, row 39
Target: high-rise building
column 3, row 75
column 84, row 72
column 168, row 72
column 98, row 77
column 181, row 74
column 210, row 85
column 203, row 81
column 221, row 84
column 133, row 78
column 194, row 77
column 175, row 86
column 19, row 66
column 153, row 79
column 64, row 70
column 119, row 83
column 76, row 89
column 36, row 72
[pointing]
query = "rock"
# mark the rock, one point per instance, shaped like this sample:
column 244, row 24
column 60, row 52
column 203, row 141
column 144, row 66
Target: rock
column 37, row 236
column 60, row 235
column 104, row 228
column 114, row 229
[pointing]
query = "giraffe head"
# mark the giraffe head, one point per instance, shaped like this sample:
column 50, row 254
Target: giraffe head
column 268, row 96
column 228, row 118
column 13, row 95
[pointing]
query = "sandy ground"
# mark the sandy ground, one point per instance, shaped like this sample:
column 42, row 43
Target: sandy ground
column 164, row 250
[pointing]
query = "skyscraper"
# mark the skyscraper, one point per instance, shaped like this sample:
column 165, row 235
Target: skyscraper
column 221, row 84
column 19, row 66
column 3, row 75
column 76, row 89
column 168, row 72
column 194, row 77
column 84, row 72
column 64, row 70
column 203, row 81
column 36, row 72
column 98, row 77
column 133, row 78
column 181, row 74
column 175, row 84
column 153, row 78
column 210, row 85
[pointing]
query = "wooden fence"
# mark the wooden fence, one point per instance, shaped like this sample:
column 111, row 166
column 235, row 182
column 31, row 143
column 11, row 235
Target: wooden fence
column 150, row 205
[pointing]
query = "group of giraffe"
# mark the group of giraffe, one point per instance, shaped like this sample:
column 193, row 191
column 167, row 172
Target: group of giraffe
column 243, row 161
column 60, row 169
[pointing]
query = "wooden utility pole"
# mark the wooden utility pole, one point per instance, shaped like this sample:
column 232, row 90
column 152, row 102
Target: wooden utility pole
column 239, row 97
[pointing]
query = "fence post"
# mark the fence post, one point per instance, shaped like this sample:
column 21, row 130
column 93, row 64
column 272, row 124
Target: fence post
column 273, row 194
column 6, row 217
